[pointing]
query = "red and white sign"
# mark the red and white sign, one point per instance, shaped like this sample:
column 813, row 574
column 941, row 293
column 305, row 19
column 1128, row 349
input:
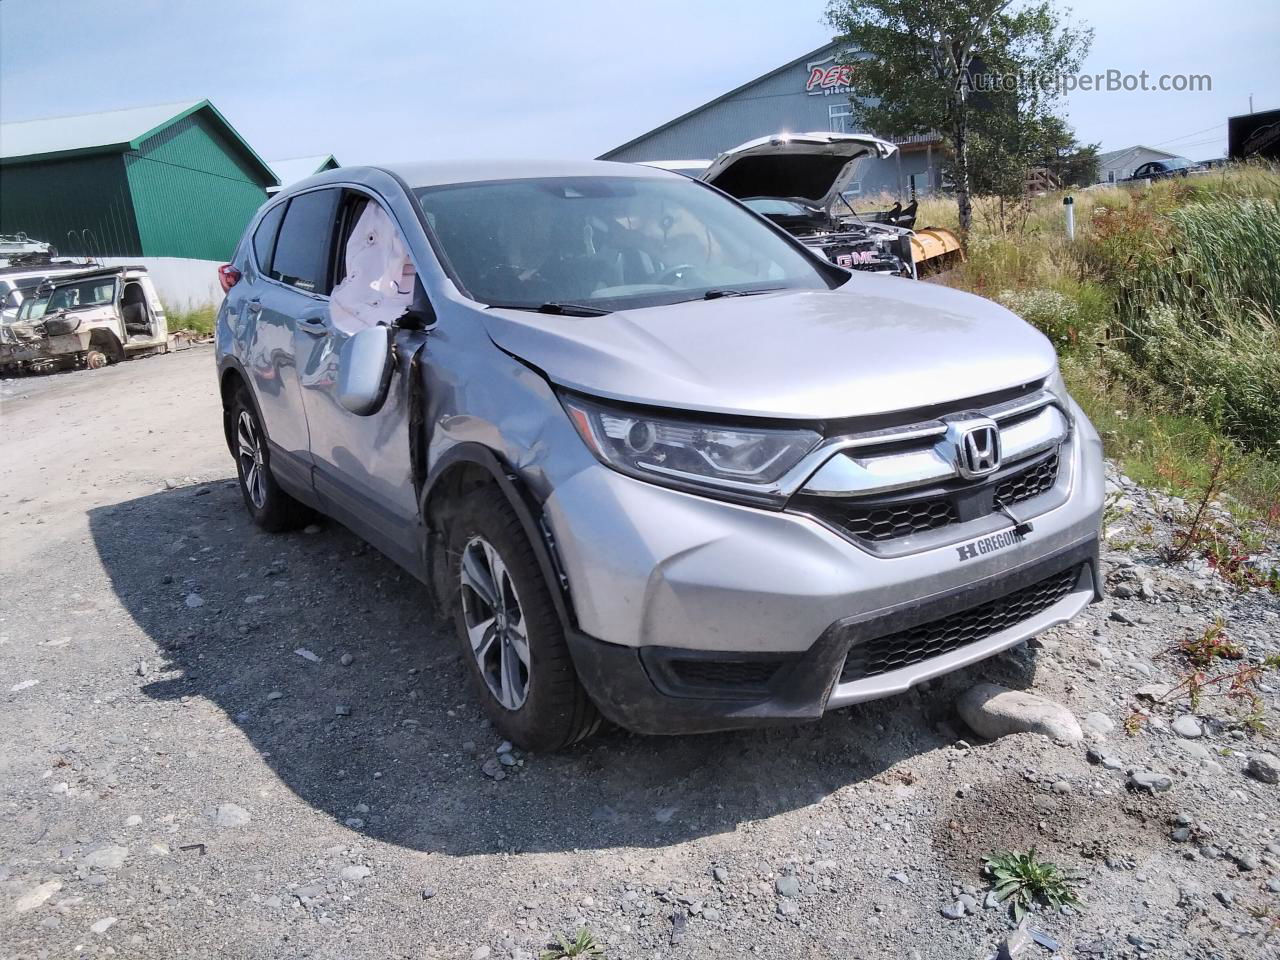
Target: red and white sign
column 828, row 77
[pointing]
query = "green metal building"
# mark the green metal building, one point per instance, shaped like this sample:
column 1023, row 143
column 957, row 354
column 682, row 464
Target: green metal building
column 167, row 181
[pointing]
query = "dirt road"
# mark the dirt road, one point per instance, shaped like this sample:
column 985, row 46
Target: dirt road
column 221, row 743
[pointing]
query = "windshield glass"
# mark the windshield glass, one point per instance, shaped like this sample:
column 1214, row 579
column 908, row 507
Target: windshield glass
column 1177, row 163
column 87, row 293
column 607, row 242
column 33, row 308
column 778, row 207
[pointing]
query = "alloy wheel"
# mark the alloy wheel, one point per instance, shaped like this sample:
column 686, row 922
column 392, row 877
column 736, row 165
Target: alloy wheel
column 252, row 468
column 495, row 623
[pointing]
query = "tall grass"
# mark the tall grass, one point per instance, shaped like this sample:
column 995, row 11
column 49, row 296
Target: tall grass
column 198, row 320
column 1166, row 310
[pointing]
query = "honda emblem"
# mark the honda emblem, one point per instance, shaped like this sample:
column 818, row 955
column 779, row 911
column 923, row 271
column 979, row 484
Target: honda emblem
column 977, row 445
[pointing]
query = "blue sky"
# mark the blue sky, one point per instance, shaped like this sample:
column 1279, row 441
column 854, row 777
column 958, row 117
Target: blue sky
column 397, row 79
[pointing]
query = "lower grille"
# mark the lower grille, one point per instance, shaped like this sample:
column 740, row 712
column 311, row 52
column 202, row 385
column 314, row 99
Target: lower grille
column 933, row 639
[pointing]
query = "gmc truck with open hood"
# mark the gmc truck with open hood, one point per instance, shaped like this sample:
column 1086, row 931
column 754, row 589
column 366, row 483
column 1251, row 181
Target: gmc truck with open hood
column 660, row 462
column 800, row 181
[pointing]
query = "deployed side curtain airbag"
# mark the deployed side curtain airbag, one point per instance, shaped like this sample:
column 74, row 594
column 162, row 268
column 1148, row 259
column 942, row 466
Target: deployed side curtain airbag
column 378, row 286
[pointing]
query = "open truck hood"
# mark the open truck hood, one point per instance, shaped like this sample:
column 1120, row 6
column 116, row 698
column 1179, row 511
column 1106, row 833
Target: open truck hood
column 876, row 345
column 814, row 166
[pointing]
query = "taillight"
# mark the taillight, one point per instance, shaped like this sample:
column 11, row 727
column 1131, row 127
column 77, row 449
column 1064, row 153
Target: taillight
column 228, row 276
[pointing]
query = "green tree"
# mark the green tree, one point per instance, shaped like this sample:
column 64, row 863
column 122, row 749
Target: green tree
column 982, row 73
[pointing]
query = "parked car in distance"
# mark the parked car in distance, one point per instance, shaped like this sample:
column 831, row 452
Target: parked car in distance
column 1164, row 169
column 658, row 460
column 88, row 318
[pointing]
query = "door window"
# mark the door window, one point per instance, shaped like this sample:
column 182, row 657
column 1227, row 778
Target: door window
column 301, row 256
column 264, row 238
column 377, row 274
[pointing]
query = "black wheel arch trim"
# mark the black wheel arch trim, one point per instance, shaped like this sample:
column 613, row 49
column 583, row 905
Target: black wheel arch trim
column 226, row 367
column 527, row 510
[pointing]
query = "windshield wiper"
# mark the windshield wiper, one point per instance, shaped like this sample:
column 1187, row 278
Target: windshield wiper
column 715, row 293
column 559, row 309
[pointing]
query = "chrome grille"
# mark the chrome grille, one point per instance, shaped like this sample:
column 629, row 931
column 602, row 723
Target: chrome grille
column 881, row 520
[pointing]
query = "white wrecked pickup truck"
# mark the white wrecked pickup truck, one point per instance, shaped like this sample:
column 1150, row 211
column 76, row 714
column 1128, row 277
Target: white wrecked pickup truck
column 87, row 319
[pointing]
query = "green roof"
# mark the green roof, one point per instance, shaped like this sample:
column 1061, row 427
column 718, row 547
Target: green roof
column 115, row 131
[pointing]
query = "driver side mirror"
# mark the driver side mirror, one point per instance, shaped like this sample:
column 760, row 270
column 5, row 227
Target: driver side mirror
column 365, row 367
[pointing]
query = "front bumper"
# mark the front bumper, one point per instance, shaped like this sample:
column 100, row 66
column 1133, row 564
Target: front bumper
column 44, row 348
column 658, row 578
column 647, row 691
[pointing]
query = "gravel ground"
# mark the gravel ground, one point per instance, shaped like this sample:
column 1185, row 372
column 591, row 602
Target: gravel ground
column 221, row 743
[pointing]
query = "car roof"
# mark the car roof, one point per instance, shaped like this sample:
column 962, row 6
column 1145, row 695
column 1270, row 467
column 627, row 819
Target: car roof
column 431, row 174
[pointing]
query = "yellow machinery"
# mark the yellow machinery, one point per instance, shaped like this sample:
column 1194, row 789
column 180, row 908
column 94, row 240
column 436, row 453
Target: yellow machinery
column 934, row 249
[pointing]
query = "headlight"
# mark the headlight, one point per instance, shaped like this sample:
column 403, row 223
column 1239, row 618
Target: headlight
column 745, row 460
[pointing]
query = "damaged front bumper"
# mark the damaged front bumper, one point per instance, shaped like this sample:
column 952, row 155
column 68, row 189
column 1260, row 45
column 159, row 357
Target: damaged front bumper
column 695, row 614
column 663, row 690
column 43, row 349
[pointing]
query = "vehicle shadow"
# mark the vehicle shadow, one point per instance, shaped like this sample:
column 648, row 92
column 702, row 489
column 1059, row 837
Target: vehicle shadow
column 228, row 607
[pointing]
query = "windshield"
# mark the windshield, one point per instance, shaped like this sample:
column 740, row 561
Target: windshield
column 607, row 242
column 1177, row 163
column 87, row 293
column 779, row 207
column 33, row 308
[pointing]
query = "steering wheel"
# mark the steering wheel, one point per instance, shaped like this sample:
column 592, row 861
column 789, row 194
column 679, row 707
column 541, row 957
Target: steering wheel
column 675, row 274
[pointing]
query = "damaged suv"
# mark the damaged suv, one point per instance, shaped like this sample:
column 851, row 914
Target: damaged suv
column 658, row 460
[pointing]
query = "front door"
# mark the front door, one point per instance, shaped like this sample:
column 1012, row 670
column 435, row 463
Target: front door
column 362, row 467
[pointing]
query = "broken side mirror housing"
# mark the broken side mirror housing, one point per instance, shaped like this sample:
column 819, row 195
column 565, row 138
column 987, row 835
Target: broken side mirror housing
column 420, row 315
column 365, row 367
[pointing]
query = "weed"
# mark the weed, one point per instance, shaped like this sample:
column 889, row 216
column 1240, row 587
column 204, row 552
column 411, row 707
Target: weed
column 1181, row 549
column 1207, row 673
column 1024, row 880
column 584, row 944
column 1134, row 722
column 196, row 319
column 1210, row 645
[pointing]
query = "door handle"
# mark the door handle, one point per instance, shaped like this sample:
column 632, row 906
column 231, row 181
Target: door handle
column 315, row 326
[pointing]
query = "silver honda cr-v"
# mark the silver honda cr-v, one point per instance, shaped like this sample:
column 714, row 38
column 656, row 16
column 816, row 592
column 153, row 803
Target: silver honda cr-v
column 657, row 460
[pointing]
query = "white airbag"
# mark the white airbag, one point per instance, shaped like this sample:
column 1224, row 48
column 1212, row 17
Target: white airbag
column 378, row 286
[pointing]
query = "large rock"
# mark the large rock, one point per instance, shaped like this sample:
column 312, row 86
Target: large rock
column 1264, row 767
column 993, row 711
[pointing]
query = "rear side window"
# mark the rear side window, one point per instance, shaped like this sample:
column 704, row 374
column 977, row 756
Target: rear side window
column 302, row 249
column 264, row 238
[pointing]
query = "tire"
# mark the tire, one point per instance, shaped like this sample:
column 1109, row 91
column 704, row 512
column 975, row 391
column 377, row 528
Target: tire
column 270, row 507
column 552, row 710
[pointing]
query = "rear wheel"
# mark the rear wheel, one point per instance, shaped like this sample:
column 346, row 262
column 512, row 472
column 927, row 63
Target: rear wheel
column 511, row 635
column 271, row 508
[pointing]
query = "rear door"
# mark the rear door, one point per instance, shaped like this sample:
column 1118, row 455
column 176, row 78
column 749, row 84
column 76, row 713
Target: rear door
column 291, row 294
column 362, row 466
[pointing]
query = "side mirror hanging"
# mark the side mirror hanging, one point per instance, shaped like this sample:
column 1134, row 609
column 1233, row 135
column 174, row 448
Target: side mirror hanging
column 365, row 366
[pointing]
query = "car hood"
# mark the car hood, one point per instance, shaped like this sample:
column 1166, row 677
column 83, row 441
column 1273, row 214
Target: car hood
column 876, row 345
column 812, row 166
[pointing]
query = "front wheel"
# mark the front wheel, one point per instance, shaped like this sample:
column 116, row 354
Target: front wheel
column 510, row 632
